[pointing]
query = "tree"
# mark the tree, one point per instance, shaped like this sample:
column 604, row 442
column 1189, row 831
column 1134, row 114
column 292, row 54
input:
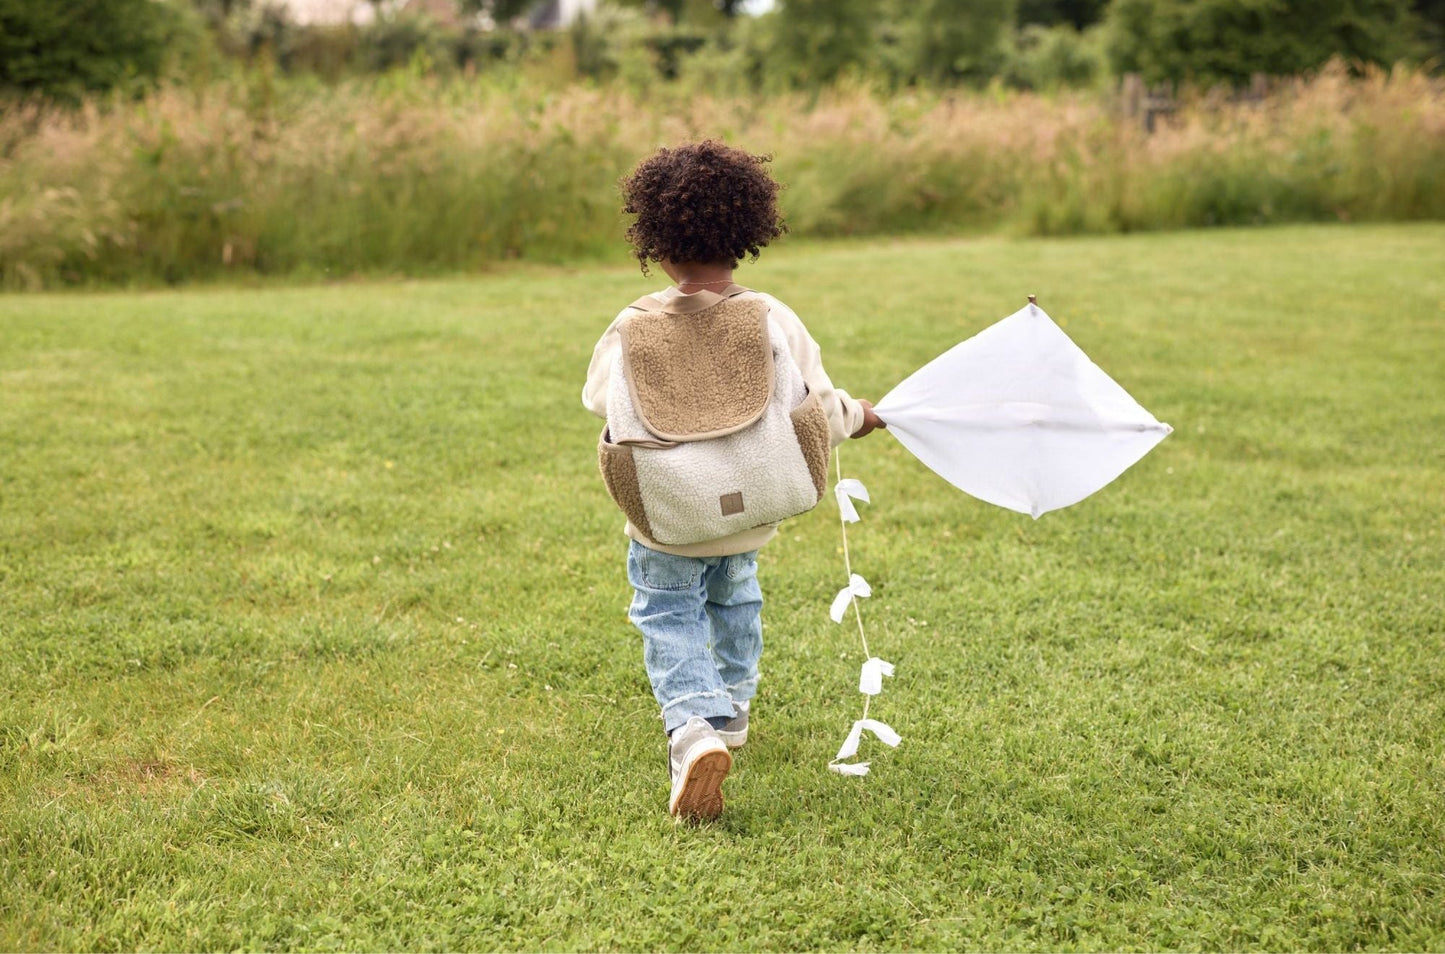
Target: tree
column 1229, row 40
column 680, row 10
column 817, row 40
column 959, row 39
column 67, row 49
column 1432, row 15
column 1076, row 13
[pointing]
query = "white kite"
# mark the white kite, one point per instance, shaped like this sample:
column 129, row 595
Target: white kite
column 1017, row 416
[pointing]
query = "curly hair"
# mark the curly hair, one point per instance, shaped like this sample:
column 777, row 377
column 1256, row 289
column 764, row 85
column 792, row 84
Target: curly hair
column 701, row 202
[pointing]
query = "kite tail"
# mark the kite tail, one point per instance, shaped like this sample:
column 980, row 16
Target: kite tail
column 848, row 568
column 870, row 682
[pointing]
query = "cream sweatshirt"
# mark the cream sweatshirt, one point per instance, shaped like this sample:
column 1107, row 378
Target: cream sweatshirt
column 845, row 415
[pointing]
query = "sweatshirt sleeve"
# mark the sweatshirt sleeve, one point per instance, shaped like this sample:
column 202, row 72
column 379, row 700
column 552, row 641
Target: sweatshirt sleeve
column 845, row 414
column 599, row 372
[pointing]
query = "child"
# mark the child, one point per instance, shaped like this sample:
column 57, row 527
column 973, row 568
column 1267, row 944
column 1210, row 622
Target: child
column 700, row 209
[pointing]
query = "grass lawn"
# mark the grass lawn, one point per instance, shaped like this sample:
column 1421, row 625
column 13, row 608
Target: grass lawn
column 313, row 633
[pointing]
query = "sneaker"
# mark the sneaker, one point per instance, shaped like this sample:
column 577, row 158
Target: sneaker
column 699, row 761
column 735, row 732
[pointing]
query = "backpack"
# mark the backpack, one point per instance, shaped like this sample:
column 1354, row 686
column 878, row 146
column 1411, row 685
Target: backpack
column 710, row 427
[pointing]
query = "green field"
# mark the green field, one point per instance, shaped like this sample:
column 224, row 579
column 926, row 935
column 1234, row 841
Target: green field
column 313, row 635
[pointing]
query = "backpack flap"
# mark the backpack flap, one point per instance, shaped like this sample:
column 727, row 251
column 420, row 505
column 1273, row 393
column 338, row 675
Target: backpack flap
column 699, row 376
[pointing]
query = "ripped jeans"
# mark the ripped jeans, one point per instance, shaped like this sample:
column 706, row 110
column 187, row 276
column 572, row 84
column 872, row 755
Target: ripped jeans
column 702, row 630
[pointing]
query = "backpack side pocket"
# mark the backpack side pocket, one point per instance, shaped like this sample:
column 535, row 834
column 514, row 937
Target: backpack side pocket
column 810, row 424
column 619, row 472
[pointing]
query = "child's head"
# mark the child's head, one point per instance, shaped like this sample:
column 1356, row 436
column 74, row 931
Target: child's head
column 701, row 202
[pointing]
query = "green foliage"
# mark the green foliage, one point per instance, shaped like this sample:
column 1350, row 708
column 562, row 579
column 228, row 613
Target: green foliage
column 817, row 41
column 1076, row 13
column 938, row 42
column 1431, row 15
column 601, row 45
column 410, row 173
column 953, row 40
column 65, row 50
column 1229, row 40
column 692, row 14
column 1056, row 57
column 396, row 42
column 645, row 44
column 501, row 11
column 735, row 63
column 308, row 641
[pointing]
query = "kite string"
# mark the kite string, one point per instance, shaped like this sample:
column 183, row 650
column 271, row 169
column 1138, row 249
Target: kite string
column 848, row 567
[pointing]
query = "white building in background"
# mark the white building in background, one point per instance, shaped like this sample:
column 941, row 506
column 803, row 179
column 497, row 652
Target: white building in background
column 544, row 15
column 328, row 11
column 556, row 14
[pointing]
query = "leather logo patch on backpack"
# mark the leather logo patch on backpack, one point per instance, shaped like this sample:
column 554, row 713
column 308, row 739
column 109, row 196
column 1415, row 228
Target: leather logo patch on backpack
column 731, row 504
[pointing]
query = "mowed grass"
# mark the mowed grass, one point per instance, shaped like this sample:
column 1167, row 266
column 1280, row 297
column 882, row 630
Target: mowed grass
column 313, row 634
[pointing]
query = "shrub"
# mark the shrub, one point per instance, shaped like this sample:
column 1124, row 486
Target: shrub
column 65, row 50
column 410, row 173
column 1209, row 41
column 1051, row 58
column 817, row 41
column 959, row 39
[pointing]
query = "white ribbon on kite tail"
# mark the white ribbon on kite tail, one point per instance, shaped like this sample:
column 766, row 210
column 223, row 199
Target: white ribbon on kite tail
column 846, row 491
column 870, row 681
column 857, row 586
column 885, row 734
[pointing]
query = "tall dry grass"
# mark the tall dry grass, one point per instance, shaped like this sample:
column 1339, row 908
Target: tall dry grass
column 411, row 174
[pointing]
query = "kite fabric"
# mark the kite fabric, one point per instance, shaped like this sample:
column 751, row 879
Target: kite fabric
column 1018, row 416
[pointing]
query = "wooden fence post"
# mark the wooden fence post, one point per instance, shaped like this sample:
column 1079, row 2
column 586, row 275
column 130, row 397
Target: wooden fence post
column 1132, row 95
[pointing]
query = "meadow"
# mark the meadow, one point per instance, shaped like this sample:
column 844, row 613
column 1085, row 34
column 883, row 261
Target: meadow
column 313, row 635
column 419, row 175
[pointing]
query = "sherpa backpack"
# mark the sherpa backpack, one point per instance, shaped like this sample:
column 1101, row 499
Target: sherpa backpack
column 710, row 428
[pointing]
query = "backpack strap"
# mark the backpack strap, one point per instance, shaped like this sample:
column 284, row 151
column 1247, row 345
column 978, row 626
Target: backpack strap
column 647, row 303
column 687, row 304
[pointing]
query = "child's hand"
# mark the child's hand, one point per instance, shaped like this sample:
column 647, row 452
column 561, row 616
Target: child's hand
column 870, row 420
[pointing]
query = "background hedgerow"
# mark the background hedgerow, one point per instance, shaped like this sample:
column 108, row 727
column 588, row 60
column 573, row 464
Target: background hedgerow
column 414, row 174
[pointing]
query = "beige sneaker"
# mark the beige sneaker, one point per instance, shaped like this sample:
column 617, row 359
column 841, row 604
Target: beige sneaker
column 699, row 760
column 735, row 732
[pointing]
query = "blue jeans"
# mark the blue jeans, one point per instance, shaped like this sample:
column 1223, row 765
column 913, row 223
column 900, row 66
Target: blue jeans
column 702, row 630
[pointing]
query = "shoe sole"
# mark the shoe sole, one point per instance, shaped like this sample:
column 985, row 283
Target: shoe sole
column 701, row 797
